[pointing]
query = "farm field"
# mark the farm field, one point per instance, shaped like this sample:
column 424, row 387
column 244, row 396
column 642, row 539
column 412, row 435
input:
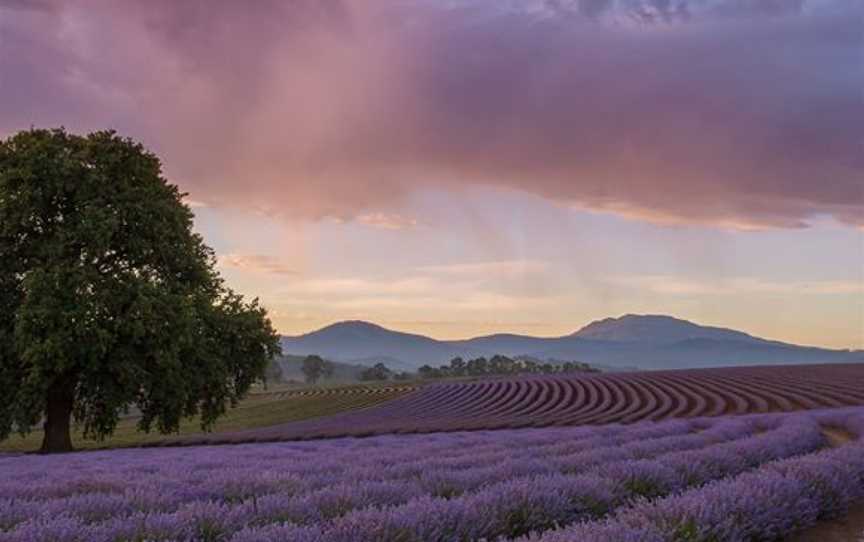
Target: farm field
column 580, row 399
column 263, row 409
column 754, row 477
column 431, row 271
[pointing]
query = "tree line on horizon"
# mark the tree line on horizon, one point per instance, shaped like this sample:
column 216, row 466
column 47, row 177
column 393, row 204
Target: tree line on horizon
column 316, row 368
column 501, row 365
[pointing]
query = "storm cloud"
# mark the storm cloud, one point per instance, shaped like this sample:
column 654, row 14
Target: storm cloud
column 734, row 113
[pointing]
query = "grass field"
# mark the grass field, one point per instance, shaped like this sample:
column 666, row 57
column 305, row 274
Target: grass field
column 260, row 409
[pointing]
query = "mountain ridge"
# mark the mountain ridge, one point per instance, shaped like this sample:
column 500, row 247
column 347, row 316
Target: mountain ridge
column 656, row 327
column 651, row 341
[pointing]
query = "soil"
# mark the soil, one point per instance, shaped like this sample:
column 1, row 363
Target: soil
column 846, row 529
column 837, row 436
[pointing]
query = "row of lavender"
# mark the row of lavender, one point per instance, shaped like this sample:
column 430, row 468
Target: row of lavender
column 677, row 480
column 300, row 483
column 578, row 399
column 769, row 503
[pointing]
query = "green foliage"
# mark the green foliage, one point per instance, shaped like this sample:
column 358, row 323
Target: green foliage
column 500, row 365
column 108, row 297
column 643, row 487
column 315, row 368
column 377, row 372
column 689, row 531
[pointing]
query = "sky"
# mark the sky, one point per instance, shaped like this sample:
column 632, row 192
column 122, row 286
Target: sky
column 464, row 167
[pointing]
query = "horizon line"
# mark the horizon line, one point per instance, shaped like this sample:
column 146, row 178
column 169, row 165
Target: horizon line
column 555, row 336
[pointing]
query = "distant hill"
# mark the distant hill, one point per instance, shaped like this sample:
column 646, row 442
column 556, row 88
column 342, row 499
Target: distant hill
column 656, row 329
column 643, row 341
column 364, row 343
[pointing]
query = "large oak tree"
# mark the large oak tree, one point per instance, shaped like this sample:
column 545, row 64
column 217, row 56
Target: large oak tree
column 108, row 299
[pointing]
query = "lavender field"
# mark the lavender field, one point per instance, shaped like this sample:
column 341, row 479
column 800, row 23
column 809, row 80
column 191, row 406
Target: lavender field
column 578, row 399
column 755, row 477
column 431, row 271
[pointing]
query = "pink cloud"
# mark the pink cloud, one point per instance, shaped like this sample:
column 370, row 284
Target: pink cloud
column 387, row 221
column 256, row 263
column 714, row 112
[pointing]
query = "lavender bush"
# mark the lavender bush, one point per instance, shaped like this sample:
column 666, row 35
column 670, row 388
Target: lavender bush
column 675, row 480
column 768, row 504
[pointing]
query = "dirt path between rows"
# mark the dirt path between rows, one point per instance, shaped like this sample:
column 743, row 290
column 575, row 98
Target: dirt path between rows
column 846, row 529
column 837, row 436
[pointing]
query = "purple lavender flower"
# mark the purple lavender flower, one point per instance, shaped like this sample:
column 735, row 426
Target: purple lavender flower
column 752, row 477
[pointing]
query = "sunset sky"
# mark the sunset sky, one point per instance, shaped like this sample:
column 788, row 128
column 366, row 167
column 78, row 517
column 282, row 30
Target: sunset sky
column 462, row 167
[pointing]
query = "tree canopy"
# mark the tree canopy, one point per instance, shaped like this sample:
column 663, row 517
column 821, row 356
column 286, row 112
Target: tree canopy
column 108, row 299
column 315, row 368
column 379, row 371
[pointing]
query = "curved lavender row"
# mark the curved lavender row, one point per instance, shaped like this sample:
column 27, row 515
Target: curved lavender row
column 775, row 398
column 443, row 447
column 555, row 395
column 732, row 399
column 576, row 399
column 317, row 505
column 477, row 408
column 245, row 487
column 223, row 492
column 30, row 480
column 516, row 506
column 517, row 400
column 681, row 399
column 602, row 400
column 546, row 393
column 449, row 477
column 715, row 404
column 306, row 507
column 585, row 398
column 665, row 404
column 781, row 498
column 552, row 395
column 840, row 391
column 613, row 401
column 644, row 403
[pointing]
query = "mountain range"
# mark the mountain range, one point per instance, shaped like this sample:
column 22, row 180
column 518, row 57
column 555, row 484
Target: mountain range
column 630, row 341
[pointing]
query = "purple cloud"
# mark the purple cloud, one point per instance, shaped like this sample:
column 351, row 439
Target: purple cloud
column 722, row 112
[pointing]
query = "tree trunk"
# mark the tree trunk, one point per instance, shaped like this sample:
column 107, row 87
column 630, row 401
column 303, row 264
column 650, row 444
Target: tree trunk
column 58, row 418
